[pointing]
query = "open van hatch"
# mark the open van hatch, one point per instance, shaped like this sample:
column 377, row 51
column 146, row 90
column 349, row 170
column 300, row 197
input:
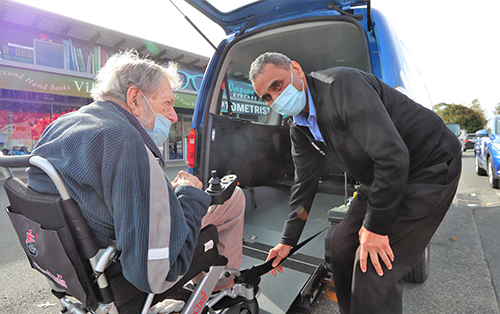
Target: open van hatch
column 253, row 142
column 234, row 16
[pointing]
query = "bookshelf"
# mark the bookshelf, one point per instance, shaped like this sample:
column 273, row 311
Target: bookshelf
column 52, row 51
column 86, row 46
column 64, row 54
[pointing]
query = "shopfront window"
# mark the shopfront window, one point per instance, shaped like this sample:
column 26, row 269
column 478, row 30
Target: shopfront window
column 175, row 141
column 22, row 121
column 20, row 126
column 177, row 138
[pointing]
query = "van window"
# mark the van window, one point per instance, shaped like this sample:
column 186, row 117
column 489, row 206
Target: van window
column 245, row 103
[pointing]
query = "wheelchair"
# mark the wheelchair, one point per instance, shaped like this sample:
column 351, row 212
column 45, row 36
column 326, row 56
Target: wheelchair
column 86, row 279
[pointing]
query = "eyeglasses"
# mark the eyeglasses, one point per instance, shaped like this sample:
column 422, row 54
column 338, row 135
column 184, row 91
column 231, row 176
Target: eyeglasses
column 195, row 80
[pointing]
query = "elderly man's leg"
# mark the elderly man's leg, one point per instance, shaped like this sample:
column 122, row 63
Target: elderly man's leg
column 228, row 218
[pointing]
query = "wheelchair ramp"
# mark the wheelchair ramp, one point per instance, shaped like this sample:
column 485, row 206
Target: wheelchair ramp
column 263, row 227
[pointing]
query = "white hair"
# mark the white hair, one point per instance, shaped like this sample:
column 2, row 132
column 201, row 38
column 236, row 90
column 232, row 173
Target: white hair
column 126, row 69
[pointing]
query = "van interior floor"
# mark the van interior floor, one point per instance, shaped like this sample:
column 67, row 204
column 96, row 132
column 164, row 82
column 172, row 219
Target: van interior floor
column 267, row 209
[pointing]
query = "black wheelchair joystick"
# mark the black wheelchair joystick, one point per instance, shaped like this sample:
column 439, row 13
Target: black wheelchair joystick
column 221, row 189
column 214, row 182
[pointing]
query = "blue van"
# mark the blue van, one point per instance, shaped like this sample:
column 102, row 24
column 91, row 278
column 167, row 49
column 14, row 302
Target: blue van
column 234, row 131
column 317, row 34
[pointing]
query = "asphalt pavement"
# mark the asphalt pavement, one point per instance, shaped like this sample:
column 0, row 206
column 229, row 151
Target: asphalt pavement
column 465, row 259
column 464, row 268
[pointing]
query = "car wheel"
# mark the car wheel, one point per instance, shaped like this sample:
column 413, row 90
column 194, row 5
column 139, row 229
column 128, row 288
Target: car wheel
column 491, row 174
column 420, row 272
column 479, row 171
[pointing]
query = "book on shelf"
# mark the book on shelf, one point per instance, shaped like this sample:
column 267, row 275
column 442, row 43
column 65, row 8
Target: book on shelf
column 89, row 60
column 75, row 55
column 17, row 58
column 104, row 57
column 72, row 52
column 68, row 53
column 99, row 63
column 19, row 50
column 80, row 60
column 97, row 58
column 15, row 52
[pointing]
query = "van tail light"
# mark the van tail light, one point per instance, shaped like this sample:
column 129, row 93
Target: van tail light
column 191, row 148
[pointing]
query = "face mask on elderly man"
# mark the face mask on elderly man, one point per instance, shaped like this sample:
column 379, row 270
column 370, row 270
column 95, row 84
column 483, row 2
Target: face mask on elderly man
column 290, row 102
column 161, row 128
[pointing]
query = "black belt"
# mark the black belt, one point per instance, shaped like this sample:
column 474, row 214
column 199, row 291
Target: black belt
column 253, row 274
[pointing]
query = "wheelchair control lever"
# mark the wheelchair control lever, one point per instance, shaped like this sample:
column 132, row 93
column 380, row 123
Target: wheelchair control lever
column 221, row 189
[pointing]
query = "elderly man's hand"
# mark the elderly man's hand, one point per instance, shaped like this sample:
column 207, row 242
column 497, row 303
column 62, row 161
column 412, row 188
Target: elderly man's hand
column 184, row 178
column 374, row 246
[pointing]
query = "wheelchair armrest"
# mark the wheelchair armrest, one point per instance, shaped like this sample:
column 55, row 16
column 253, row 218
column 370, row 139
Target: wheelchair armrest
column 15, row 161
column 105, row 257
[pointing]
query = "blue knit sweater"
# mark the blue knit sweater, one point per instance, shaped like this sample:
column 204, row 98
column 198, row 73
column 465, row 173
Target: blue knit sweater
column 123, row 193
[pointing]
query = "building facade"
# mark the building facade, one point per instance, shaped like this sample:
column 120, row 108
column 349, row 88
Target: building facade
column 48, row 63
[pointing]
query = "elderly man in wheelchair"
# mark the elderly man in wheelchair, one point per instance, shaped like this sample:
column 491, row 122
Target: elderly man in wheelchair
column 102, row 222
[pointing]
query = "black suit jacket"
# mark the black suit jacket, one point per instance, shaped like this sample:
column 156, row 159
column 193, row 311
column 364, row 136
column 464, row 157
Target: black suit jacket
column 376, row 134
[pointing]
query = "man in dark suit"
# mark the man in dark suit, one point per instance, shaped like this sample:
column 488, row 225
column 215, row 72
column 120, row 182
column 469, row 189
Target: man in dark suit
column 407, row 160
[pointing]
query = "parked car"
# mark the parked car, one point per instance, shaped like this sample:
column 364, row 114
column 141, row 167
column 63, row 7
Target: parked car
column 487, row 152
column 235, row 131
column 18, row 150
column 468, row 141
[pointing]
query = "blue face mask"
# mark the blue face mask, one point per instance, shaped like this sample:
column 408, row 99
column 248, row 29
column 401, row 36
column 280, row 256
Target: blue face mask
column 290, row 102
column 161, row 128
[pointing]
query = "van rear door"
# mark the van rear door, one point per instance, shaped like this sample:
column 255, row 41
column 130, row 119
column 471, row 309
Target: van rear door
column 233, row 16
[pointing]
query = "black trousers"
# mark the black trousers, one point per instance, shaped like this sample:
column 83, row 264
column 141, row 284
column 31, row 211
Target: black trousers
column 428, row 196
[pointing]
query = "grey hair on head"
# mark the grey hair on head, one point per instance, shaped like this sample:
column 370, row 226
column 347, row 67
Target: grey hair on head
column 277, row 59
column 126, row 69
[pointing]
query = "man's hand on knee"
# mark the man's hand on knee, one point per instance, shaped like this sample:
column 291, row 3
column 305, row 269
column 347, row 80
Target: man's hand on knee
column 374, row 246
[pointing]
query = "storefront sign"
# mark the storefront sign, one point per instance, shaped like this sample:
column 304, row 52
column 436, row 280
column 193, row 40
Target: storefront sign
column 243, row 91
column 185, row 100
column 246, row 108
column 243, row 99
column 44, row 82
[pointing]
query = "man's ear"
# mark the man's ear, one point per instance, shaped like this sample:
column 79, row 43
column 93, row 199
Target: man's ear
column 133, row 98
column 296, row 66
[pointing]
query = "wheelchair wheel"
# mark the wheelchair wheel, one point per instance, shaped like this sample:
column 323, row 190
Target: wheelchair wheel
column 250, row 307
